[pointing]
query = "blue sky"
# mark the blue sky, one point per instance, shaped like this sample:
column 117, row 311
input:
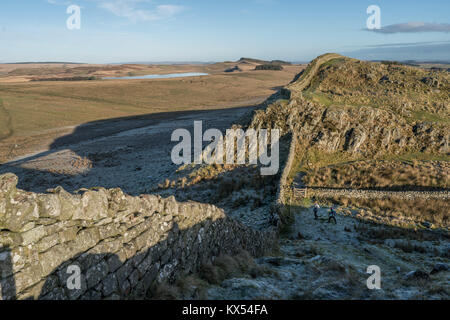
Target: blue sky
column 217, row 30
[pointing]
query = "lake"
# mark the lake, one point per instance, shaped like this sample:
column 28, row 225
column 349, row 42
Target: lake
column 160, row 76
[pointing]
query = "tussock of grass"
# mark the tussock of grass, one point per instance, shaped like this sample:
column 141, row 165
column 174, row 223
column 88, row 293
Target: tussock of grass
column 194, row 286
column 165, row 291
column 226, row 266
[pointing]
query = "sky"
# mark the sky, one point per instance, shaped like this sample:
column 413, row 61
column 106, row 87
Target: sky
column 113, row 31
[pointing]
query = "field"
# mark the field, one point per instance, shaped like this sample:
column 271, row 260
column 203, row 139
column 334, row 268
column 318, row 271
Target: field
column 47, row 109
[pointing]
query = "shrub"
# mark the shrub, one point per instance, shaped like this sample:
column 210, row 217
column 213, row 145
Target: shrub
column 270, row 66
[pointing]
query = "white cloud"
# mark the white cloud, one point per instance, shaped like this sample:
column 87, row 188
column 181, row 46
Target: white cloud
column 129, row 9
column 135, row 10
column 411, row 27
column 57, row 2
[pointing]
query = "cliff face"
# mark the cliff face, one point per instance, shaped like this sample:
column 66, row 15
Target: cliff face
column 122, row 245
column 335, row 105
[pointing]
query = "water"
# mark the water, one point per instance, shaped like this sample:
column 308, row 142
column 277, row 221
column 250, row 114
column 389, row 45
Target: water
column 161, row 76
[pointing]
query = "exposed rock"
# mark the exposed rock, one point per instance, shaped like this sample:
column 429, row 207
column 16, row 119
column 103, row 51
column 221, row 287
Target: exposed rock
column 431, row 81
column 439, row 267
column 417, row 274
column 233, row 69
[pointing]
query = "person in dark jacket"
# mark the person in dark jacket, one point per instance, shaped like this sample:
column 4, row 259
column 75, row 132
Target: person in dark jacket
column 332, row 216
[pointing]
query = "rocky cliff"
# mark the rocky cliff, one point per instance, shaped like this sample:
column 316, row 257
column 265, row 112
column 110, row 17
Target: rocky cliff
column 327, row 108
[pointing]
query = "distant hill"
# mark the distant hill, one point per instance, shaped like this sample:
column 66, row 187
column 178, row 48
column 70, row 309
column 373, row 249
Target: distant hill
column 426, row 62
column 43, row 62
column 437, row 65
column 252, row 60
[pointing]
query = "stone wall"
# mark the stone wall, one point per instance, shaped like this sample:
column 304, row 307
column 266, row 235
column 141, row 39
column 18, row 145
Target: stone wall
column 297, row 86
column 283, row 187
column 376, row 194
column 121, row 244
column 291, row 92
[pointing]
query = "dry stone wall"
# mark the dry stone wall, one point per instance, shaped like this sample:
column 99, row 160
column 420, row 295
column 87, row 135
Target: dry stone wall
column 377, row 194
column 121, row 245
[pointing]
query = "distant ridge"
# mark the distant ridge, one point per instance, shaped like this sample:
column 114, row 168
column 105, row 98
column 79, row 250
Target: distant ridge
column 417, row 62
column 252, row 60
column 43, row 62
column 164, row 62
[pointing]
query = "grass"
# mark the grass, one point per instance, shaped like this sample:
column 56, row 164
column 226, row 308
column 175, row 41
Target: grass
column 412, row 174
column 39, row 106
column 342, row 169
column 334, row 62
column 429, row 117
column 319, row 97
column 314, row 159
column 305, row 203
column 404, row 212
column 194, row 286
column 410, row 157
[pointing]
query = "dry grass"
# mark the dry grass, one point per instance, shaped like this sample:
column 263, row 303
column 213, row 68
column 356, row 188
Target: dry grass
column 194, row 286
column 81, row 163
column 314, row 159
column 382, row 174
column 418, row 94
column 226, row 266
column 165, row 291
column 225, row 182
column 406, row 212
column 62, row 104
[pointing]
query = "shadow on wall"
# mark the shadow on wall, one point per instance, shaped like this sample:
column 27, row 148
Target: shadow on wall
column 119, row 245
column 116, row 270
column 127, row 275
column 7, row 283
